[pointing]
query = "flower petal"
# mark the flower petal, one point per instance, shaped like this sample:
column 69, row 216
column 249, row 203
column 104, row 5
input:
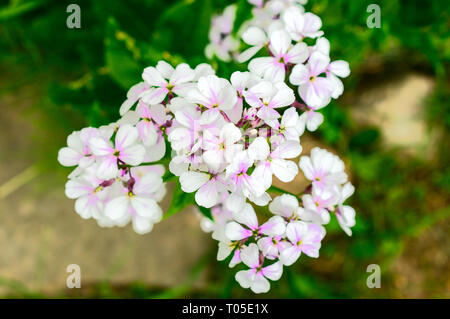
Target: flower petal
column 117, row 208
column 192, row 181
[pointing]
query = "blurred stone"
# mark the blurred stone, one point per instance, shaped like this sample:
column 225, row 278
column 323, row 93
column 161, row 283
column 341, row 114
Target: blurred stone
column 40, row 233
column 397, row 108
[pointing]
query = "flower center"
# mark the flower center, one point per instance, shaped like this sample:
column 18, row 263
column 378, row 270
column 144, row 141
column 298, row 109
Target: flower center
column 98, row 189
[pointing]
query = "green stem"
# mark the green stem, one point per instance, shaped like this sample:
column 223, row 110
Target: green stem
column 275, row 189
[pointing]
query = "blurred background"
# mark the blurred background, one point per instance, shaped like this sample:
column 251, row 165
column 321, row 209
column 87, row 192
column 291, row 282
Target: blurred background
column 391, row 126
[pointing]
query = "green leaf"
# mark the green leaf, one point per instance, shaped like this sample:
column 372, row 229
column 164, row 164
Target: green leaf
column 122, row 55
column 180, row 200
column 205, row 212
column 243, row 13
column 307, row 286
column 17, row 9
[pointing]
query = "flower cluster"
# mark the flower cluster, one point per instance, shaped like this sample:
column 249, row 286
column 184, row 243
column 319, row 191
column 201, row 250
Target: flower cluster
column 228, row 139
column 107, row 183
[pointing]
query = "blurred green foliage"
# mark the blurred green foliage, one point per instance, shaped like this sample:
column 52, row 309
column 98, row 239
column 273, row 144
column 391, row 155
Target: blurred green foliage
column 398, row 195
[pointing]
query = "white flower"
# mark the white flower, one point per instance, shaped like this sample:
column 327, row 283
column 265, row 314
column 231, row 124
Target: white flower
column 304, row 238
column 346, row 214
column 335, row 70
column 256, row 277
column 126, row 150
column 317, row 205
column 302, row 25
column 137, row 204
column 220, row 150
column 187, row 134
column 78, row 151
column 89, row 193
column 275, row 226
column 208, row 187
column 274, row 68
column 164, row 79
column 285, row 206
column 146, row 127
column 240, row 81
column 291, row 127
column 267, row 97
column 257, row 38
column 214, row 94
column 274, row 162
column 133, row 95
column 323, row 168
column 311, row 120
column 203, row 69
column 271, row 247
column 314, row 89
column 242, row 184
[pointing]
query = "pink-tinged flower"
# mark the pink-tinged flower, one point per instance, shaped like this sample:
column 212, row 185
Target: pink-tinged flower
column 317, row 205
column 187, row 135
column 221, row 150
column 207, row 185
column 89, row 192
column 163, row 122
column 133, row 95
column 137, row 204
column 126, row 149
column 154, row 153
column 164, row 79
column 142, row 171
column 314, row 89
column 203, row 69
column 240, row 81
column 234, row 230
column 257, row 38
column 242, row 184
column 214, row 94
column 305, row 238
column 311, row 120
column 226, row 248
column 274, row 162
column 285, row 206
column 267, row 97
column 271, row 247
column 221, row 217
column 334, row 70
column 274, row 68
column 179, row 104
column 146, row 127
column 302, row 25
column 256, row 277
column 78, row 151
column 290, row 126
column 346, row 214
column 323, row 168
